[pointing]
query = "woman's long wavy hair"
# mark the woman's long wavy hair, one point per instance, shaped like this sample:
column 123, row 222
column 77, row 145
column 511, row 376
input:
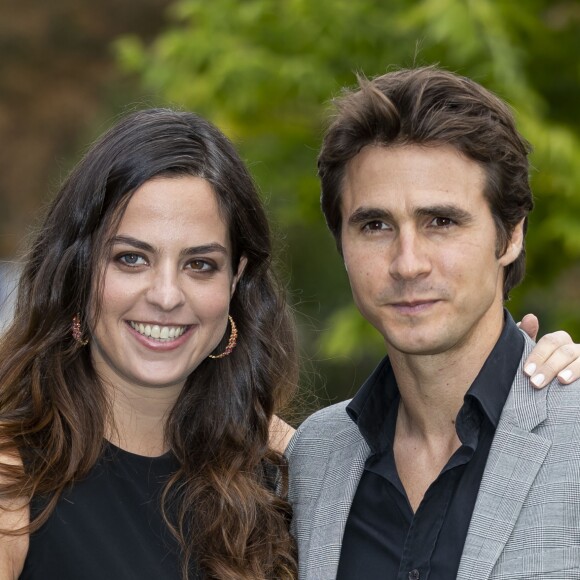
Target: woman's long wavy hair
column 53, row 409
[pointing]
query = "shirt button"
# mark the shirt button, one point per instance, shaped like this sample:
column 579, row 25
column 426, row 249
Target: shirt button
column 414, row 575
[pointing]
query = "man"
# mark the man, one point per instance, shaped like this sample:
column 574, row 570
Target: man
column 445, row 464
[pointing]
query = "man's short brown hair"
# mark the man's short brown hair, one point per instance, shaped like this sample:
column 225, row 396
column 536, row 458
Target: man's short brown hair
column 429, row 106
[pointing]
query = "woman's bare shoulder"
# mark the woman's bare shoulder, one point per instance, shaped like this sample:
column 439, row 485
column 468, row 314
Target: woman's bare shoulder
column 280, row 434
column 14, row 515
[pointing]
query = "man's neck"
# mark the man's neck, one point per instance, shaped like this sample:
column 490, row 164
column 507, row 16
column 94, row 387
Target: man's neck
column 432, row 387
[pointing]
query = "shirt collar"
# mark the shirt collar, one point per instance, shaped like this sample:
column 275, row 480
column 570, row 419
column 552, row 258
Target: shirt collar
column 372, row 407
column 375, row 404
column 494, row 381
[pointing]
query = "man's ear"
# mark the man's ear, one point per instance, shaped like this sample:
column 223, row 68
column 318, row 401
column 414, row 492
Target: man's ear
column 515, row 245
column 238, row 274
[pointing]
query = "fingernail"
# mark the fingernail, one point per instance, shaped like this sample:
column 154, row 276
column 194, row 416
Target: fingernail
column 538, row 380
column 565, row 375
column 530, row 369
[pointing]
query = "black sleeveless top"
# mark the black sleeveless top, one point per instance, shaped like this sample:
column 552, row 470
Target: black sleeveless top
column 108, row 526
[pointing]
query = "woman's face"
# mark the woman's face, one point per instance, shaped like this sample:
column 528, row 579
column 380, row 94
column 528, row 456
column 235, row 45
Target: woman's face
column 167, row 286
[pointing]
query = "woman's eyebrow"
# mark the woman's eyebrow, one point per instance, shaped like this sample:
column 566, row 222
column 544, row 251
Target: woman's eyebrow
column 146, row 247
column 134, row 242
column 204, row 249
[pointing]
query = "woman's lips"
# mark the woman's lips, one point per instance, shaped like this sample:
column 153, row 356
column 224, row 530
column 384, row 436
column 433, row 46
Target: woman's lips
column 160, row 337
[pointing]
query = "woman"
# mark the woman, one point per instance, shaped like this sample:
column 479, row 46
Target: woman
column 149, row 350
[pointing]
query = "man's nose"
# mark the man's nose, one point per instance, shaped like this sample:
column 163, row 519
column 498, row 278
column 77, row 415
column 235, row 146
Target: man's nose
column 410, row 257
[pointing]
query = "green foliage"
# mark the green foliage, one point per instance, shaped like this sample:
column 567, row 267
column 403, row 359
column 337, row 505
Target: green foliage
column 264, row 71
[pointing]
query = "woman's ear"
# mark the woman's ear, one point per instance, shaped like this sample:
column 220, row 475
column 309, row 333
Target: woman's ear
column 238, row 274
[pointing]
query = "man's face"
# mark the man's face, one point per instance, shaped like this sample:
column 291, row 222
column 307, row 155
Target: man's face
column 419, row 245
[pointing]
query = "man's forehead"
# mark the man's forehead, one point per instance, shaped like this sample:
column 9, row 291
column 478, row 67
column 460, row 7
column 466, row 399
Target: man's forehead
column 415, row 175
column 374, row 156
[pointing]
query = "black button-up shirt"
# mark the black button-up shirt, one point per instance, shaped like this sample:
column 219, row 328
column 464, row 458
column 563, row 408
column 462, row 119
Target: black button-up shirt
column 383, row 537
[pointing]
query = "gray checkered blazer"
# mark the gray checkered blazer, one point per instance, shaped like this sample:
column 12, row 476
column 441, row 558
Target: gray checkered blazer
column 526, row 520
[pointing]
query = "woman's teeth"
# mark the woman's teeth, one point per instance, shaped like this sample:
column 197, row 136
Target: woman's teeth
column 161, row 333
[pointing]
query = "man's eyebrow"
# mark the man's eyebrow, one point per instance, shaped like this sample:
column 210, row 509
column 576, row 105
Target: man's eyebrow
column 445, row 210
column 193, row 250
column 366, row 214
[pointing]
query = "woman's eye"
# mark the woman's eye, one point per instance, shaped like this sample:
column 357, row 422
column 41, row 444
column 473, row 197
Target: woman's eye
column 132, row 259
column 201, row 266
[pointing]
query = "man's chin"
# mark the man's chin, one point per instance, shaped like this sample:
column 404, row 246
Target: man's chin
column 419, row 346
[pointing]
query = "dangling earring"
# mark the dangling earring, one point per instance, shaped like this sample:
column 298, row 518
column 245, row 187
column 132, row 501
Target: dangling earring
column 231, row 342
column 77, row 331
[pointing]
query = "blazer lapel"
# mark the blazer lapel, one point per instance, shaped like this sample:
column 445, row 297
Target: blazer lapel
column 514, row 459
column 344, row 468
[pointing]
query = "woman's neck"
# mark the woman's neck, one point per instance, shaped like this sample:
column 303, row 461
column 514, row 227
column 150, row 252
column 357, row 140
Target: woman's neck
column 138, row 418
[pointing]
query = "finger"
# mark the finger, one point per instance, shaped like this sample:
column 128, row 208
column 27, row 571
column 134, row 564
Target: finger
column 530, row 325
column 569, row 373
column 572, row 372
column 546, row 347
column 554, row 355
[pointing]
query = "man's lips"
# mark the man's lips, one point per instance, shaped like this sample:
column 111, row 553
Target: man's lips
column 413, row 306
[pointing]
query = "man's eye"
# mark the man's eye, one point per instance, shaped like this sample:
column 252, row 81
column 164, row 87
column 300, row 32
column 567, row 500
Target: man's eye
column 442, row 222
column 375, row 226
column 132, row 259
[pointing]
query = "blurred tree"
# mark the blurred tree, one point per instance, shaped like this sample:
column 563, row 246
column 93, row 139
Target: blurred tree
column 59, row 84
column 264, row 69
